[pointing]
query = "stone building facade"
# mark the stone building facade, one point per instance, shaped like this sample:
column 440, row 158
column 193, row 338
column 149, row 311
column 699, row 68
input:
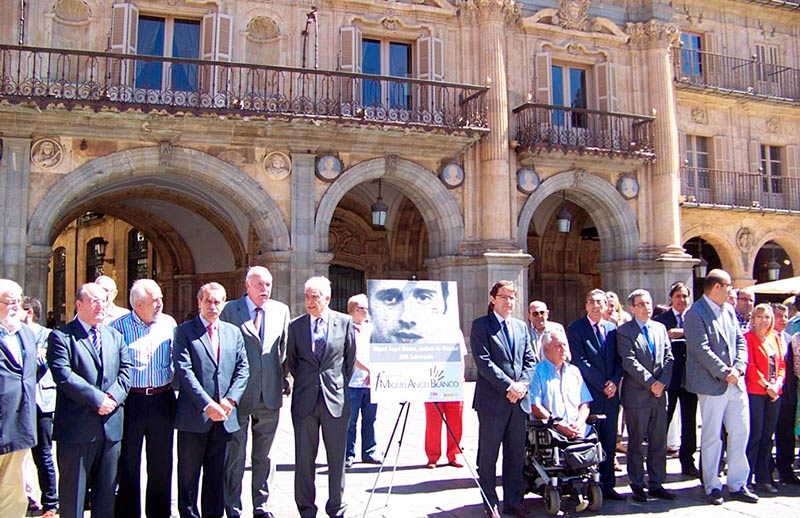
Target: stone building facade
column 199, row 137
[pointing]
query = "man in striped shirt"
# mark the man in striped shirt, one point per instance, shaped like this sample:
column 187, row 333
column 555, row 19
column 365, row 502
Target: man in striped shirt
column 150, row 408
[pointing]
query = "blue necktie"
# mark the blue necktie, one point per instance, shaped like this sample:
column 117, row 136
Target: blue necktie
column 600, row 338
column 319, row 338
column 94, row 336
column 650, row 344
column 508, row 338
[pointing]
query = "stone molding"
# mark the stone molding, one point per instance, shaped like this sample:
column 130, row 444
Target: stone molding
column 652, row 34
column 478, row 10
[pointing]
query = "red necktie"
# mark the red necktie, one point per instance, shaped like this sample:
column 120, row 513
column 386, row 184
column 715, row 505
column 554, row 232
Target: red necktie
column 214, row 346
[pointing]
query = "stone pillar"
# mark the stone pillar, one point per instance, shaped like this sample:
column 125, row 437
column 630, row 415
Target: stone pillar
column 37, row 263
column 661, row 181
column 497, row 222
column 14, row 179
column 303, row 242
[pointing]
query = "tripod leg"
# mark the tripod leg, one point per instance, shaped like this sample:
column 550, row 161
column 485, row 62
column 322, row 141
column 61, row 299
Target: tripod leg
column 403, row 407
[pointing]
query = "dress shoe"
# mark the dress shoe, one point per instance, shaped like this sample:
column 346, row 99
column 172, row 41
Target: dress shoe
column 613, row 495
column 264, row 515
column 764, row 487
column 715, row 497
column 690, row 470
column 491, row 513
column 518, row 511
column 371, row 460
column 745, row 495
column 790, row 478
column 661, row 493
column 349, row 462
column 638, row 494
column 455, row 463
column 50, row 513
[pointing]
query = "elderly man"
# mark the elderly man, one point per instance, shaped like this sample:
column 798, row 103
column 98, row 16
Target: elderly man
column 263, row 323
column 558, row 389
column 92, row 369
column 320, row 354
column 211, row 370
column 113, row 311
column 538, row 317
column 18, row 371
column 646, row 354
column 715, row 367
column 150, row 408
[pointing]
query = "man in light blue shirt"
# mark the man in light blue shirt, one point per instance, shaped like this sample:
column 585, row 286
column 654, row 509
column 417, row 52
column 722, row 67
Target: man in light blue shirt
column 558, row 389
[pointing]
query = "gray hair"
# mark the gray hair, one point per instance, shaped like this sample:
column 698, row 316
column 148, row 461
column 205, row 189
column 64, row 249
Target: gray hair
column 550, row 334
column 9, row 286
column 140, row 288
column 212, row 286
column 258, row 270
column 321, row 284
column 638, row 293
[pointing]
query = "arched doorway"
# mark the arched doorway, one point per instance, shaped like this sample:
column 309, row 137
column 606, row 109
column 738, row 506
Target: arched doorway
column 705, row 252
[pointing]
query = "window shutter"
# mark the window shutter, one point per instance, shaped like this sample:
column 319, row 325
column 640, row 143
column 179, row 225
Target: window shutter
column 721, row 158
column 430, row 58
column 755, row 156
column 350, row 49
column 708, row 62
column 124, row 36
column 605, row 79
column 793, row 161
column 216, row 38
column 543, row 79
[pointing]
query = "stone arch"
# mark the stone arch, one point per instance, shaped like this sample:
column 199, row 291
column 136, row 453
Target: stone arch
column 440, row 210
column 786, row 240
column 615, row 219
column 191, row 173
column 729, row 255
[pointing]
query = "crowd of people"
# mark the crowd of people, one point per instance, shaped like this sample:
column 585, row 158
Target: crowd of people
column 113, row 380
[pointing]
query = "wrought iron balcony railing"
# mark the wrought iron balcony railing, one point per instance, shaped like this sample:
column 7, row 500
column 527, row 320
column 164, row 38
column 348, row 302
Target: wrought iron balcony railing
column 110, row 80
column 542, row 126
column 735, row 189
column 735, row 75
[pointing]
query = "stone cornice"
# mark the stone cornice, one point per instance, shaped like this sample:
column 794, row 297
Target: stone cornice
column 652, row 34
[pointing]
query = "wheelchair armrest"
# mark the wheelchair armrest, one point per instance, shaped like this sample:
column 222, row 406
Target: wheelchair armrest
column 594, row 418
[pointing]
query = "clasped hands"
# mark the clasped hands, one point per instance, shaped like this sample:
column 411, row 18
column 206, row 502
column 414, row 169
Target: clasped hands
column 570, row 431
column 516, row 391
column 219, row 411
column 657, row 388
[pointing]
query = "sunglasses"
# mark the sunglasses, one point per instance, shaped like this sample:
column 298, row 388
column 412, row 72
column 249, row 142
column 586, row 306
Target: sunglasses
column 539, row 313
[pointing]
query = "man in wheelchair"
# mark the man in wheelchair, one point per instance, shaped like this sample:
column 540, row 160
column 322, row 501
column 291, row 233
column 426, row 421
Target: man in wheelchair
column 562, row 447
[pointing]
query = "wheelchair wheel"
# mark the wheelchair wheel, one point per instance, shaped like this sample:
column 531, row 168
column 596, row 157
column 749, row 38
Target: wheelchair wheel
column 552, row 501
column 595, row 498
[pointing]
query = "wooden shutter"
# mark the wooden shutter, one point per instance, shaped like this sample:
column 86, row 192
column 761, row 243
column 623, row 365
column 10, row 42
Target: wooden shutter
column 543, row 78
column 216, row 41
column 708, row 62
column 350, row 61
column 605, row 79
column 124, row 36
column 755, row 156
column 430, row 58
column 720, row 158
column 793, row 161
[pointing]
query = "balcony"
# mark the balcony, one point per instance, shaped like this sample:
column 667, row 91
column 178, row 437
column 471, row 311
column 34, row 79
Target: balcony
column 710, row 187
column 101, row 81
column 785, row 4
column 572, row 130
column 735, row 76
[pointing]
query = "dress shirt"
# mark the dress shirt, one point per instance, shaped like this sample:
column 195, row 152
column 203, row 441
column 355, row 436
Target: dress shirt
column 648, row 335
column 362, row 332
column 251, row 310
column 214, row 337
column 561, row 393
column 325, row 315
column 150, row 348
column 13, row 343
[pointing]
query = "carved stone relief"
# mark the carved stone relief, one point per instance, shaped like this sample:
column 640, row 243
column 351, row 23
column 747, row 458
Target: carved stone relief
column 47, row 153
column 262, row 28
column 72, row 11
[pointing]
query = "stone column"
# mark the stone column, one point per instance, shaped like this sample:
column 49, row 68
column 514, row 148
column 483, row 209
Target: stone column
column 37, row 263
column 303, row 244
column 14, row 179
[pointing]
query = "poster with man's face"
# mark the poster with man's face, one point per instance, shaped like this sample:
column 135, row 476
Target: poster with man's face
column 416, row 343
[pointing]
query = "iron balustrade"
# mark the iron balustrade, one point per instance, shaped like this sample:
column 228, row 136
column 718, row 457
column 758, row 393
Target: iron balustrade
column 543, row 126
column 737, row 189
column 735, row 75
column 110, row 80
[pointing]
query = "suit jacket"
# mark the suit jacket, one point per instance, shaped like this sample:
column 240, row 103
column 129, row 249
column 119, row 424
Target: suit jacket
column 265, row 360
column 758, row 361
column 789, row 396
column 497, row 368
column 202, row 380
column 331, row 374
column 641, row 370
column 712, row 348
column 597, row 364
column 83, row 381
column 678, row 350
column 17, row 396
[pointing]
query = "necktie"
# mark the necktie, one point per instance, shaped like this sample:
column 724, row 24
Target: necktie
column 680, row 320
column 319, row 338
column 508, row 338
column 95, row 338
column 211, row 338
column 650, row 344
column 600, row 338
column 258, row 322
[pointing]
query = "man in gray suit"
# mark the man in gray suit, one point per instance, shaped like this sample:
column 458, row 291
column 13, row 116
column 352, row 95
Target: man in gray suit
column 321, row 355
column 715, row 367
column 92, row 370
column 263, row 323
column 18, row 367
column 211, row 372
column 644, row 348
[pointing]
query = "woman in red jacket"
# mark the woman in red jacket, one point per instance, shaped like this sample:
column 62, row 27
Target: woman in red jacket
column 766, row 369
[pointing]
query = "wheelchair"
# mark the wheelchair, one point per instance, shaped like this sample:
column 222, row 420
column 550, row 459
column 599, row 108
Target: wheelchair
column 558, row 468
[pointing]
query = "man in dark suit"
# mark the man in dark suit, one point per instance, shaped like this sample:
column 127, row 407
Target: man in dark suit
column 644, row 349
column 321, row 355
column 92, row 370
column 680, row 297
column 263, row 323
column 784, row 433
column 18, row 371
column 211, row 371
column 504, row 359
column 593, row 343
column 716, row 360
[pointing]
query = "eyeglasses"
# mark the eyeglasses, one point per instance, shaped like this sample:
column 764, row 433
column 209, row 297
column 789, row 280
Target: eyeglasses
column 539, row 313
column 725, row 284
column 11, row 303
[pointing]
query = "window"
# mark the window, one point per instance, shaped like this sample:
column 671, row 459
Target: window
column 60, row 285
column 569, row 90
column 137, row 256
column 697, row 162
column 766, row 63
column 345, row 282
column 167, row 37
column 771, row 169
column 94, row 261
column 691, row 57
column 385, row 58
